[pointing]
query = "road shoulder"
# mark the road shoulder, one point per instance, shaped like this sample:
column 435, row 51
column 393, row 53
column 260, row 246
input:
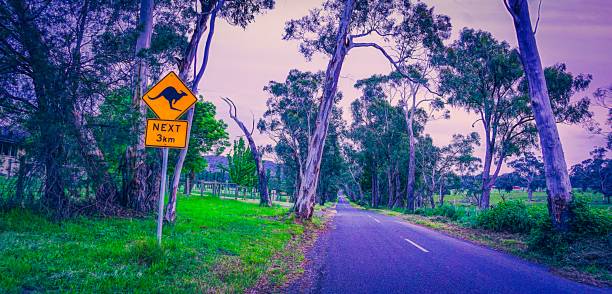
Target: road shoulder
column 513, row 244
column 296, row 268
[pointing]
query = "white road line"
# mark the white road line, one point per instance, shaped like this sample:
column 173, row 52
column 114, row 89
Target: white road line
column 417, row 245
column 373, row 218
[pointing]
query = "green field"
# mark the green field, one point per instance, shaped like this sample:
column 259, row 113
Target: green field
column 595, row 199
column 215, row 246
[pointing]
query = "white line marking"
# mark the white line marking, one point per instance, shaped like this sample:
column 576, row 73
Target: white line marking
column 373, row 218
column 416, row 245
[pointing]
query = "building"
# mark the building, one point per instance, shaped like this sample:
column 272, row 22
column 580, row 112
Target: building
column 11, row 140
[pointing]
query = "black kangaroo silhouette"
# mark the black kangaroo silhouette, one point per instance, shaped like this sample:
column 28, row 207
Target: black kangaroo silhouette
column 170, row 94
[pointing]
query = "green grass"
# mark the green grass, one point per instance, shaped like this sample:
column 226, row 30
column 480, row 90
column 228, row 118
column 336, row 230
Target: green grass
column 595, row 199
column 215, row 246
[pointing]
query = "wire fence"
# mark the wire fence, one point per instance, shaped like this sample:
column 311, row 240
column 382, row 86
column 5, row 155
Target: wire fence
column 231, row 190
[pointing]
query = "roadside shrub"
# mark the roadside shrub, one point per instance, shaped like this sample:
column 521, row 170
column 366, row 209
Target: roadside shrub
column 543, row 238
column 587, row 223
column 455, row 213
column 510, row 216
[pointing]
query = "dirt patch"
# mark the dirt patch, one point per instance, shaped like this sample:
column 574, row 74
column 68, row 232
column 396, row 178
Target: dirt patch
column 291, row 269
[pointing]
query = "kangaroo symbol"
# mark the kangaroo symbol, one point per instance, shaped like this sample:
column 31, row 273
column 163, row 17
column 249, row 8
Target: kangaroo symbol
column 171, row 95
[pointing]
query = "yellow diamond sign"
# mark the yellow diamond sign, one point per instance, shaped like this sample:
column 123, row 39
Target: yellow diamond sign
column 169, row 98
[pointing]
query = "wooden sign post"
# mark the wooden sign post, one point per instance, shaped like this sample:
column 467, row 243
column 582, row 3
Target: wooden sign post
column 168, row 99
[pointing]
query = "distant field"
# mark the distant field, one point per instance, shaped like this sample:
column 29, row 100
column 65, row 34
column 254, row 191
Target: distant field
column 596, row 199
column 216, row 246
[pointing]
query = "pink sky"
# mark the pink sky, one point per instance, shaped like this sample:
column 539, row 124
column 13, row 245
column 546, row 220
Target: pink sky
column 242, row 62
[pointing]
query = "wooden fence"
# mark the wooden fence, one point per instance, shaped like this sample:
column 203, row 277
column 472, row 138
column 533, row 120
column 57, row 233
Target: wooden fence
column 231, row 190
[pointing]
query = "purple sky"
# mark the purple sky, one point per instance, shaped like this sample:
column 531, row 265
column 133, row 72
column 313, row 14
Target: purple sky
column 242, row 62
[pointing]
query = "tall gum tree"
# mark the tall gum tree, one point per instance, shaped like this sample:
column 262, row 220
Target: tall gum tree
column 559, row 189
column 485, row 77
column 134, row 193
column 235, row 12
column 334, row 29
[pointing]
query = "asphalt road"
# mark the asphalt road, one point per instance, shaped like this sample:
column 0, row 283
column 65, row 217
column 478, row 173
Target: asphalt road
column 366, row 252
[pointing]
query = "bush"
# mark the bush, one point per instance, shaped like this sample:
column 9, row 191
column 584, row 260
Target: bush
column 454, row 213
column 510, row 216
column 587, row 223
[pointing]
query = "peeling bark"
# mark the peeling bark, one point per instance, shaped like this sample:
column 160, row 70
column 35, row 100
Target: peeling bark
column 135, row 184
column 558, row 184
column 304, row 205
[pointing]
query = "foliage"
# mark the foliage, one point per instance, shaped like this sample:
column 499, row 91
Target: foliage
column 219, row 250
column 485, row 76
column 509, row 216
column 530, row 169
column 208, row 134
column 594, row 174
column 290, row 119
column 587, row 223
column 454, row 213
column 241, row 165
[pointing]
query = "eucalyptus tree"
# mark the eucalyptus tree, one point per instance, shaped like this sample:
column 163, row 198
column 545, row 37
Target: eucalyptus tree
column 558, row 183
column 135, row 173
column 530, row 169
column 289, row 121
column 385, row 131
column 335, row 29
column 603, row 98
column 485, row 76
column 594, row 173
column 413, row 97
column 379, row 133
column 236, row 12
column 290, row 117
column 56, row 68
column 436, row 163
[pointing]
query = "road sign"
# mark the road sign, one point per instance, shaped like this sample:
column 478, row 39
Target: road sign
column 169, row 98
column 166, row 133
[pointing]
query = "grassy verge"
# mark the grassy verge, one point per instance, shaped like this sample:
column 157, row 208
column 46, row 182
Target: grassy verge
column 215, row 246
column 585, row 258
column 288, row 265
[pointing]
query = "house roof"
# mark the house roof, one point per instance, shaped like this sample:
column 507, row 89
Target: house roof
column 12, row 134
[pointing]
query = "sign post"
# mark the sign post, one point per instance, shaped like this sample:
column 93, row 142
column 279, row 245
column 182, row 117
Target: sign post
column 168, row 99
column 162, row 192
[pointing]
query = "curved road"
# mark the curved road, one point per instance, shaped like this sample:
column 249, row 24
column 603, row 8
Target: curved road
column 367, row 252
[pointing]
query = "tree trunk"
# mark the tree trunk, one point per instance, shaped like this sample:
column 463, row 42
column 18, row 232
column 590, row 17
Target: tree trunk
column 95, row 164
column 558, row 184
column 134, row 190
column 432, row 202
column 399, row 198
column 51, row 110
column 409, row 117
column 375, row 192
column 530, row 194
column 184, row 66
column 306, row 195
column 390, row 188
column 486, row 171
column 262, row 178
column 441, row 192
column 192, row 181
